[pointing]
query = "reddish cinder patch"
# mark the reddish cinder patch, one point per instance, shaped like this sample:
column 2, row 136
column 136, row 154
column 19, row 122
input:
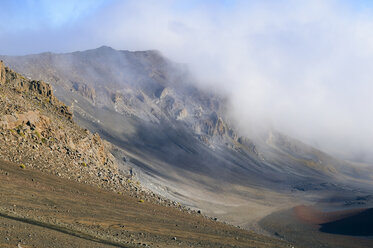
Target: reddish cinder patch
column 315, row 216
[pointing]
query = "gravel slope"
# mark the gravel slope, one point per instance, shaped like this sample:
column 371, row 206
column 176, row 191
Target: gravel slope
column 41, row 210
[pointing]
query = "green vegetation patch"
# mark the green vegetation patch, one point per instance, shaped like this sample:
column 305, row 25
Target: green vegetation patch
column 37, row 134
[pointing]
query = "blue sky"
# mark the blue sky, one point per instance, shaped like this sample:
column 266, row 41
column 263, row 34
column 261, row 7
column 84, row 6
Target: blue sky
column 35, row 14
column 22, row 19
column 25, row 14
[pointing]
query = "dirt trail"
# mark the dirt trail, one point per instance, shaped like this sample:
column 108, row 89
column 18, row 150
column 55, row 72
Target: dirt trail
column 40, row 210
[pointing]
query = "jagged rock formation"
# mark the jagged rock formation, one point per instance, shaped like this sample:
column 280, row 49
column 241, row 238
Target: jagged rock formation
column 182, row 114
column 22, row 85
column 38, row 130
column 85, row 91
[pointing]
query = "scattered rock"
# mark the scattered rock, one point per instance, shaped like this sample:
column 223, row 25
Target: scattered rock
column 182, row 114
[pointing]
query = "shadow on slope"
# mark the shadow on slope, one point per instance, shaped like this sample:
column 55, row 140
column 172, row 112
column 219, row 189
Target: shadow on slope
column 360, row 224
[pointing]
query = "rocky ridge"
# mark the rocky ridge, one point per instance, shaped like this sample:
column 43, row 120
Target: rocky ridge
column 37, row 130
column 143, row 85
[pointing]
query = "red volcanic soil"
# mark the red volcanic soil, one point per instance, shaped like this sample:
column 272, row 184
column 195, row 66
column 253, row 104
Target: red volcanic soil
column 354, row 222
column 314, row 216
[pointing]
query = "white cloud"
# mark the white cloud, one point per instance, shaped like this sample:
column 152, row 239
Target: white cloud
column 305, row 66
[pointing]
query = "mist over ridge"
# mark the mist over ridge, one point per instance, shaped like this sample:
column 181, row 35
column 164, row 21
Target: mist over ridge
column 189, row 123
column 302, row 68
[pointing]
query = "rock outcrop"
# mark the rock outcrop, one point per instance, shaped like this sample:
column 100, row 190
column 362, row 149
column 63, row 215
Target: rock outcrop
column 37, row 130
column 182, row 114
column 39, row 89
column 2, row 72
column 214, row 125
column 32, row 119
column 85, row 91
column 164, row 93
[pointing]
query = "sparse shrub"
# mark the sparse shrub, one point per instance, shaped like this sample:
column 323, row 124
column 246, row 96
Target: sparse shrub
column 84, row 164
column 43, row 140
column 46, row 101
column 141, row 200
column 37, row 134
column 21, row 133
column 22, row 166
column 18, row 130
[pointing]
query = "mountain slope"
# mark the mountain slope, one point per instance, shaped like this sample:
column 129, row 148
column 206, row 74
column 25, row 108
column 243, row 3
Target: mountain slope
column 64, row 188
column 178, row 139
column 41, row 210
